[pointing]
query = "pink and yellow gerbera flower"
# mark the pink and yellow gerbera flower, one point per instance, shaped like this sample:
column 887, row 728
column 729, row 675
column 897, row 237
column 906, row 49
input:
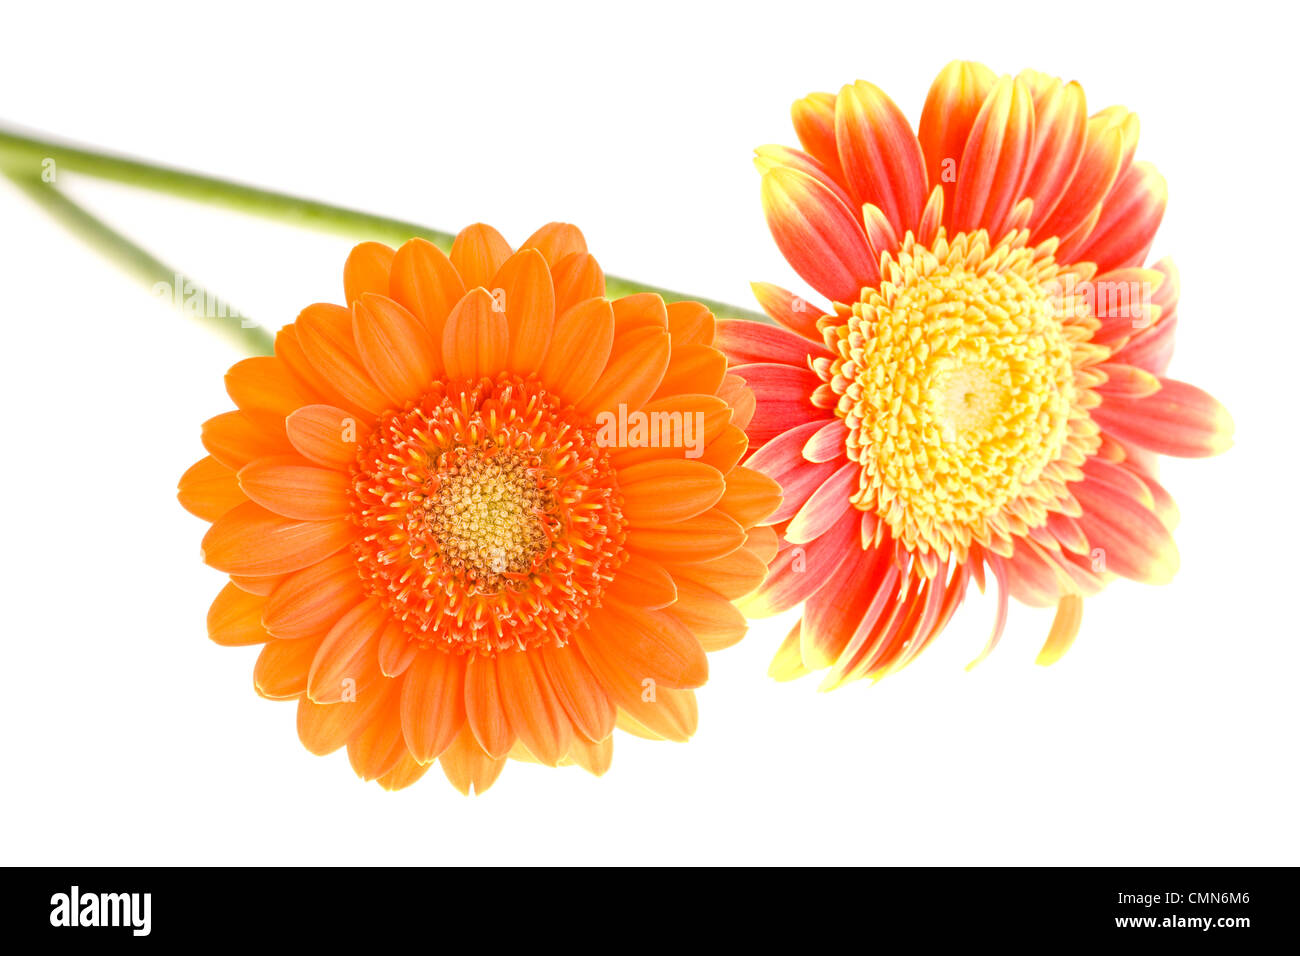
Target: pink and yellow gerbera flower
column 986, row 391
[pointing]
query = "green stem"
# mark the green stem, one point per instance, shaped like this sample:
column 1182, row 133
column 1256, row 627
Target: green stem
column 29, row 156
column 160, row 278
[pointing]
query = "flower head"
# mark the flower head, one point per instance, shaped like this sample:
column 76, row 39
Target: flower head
column 482, row 511
column 986, row 389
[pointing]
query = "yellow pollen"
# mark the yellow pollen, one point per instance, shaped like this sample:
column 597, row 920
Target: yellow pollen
column 485, row 517
column 957, row 378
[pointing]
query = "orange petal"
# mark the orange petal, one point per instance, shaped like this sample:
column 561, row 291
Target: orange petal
column 690, row 323
column 763, row 542
column 725, row 452
column 639, row 311
column 1129, row 219
column 209, row 489
column 818, row 235
column 366, row 270
column 1060, row 132
column 532, row 706
column 282, row 668
column 814, row 124
column 1065, row 627
column 792, row 311
column 476, row 339
column 265, row 388
column 775, row 157
column 379, row 747
column 235, row 439
column 1105, row 147
column 433, row 702
column 996, row 159
column 1133, row 541
column 309, row 601
column 292, row 486
column 348, row 659
column 235, row 618
column 733, row 575
column 637, row 363
column 396, row 650
column 750, row 496
column 579, row 349
column 426, row 284
column 1179, row 419
column 578, row 691
column 668, row 490
column 949, row 113
column 643, row 645
column 736, row 393
column 405, row 772
column 881, row 158
column 478, row 252
column 324, row 728
column 467, row 766
column 701, row 538
column 714, row 620
column 693, row 368
column 595, row 758
column 576, row 277
column 251, row 540
column 394, row 347
column 744, row 341
column 483, row 708
column 288, row 348
column 326, row 435
column 325, row 332
column 659, row 714
column 643, row 582
column 524, row 281
column 656, row 711
column 555, row 240
column 263, row 585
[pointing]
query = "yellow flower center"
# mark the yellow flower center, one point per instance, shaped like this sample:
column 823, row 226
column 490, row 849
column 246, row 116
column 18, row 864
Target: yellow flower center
column 490, row 516
column 957, row 378
column 486, row 517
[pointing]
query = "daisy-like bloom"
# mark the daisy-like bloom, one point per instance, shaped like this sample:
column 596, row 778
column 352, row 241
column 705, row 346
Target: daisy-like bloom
column 985, row 395
column 482, row 512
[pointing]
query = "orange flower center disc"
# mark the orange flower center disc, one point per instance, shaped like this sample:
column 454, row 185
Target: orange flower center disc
column 491, row 517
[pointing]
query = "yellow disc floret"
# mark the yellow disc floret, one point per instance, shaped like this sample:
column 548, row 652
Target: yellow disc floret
column 960, row 378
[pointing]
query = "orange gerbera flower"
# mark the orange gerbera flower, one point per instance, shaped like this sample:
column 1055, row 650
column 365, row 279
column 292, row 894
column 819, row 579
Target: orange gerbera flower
column 483, row 512
column 987, row 389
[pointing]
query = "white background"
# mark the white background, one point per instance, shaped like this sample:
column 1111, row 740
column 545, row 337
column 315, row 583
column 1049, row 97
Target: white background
column 1166, row 736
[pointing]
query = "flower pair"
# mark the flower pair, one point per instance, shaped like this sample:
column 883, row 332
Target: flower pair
column 450, row 554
